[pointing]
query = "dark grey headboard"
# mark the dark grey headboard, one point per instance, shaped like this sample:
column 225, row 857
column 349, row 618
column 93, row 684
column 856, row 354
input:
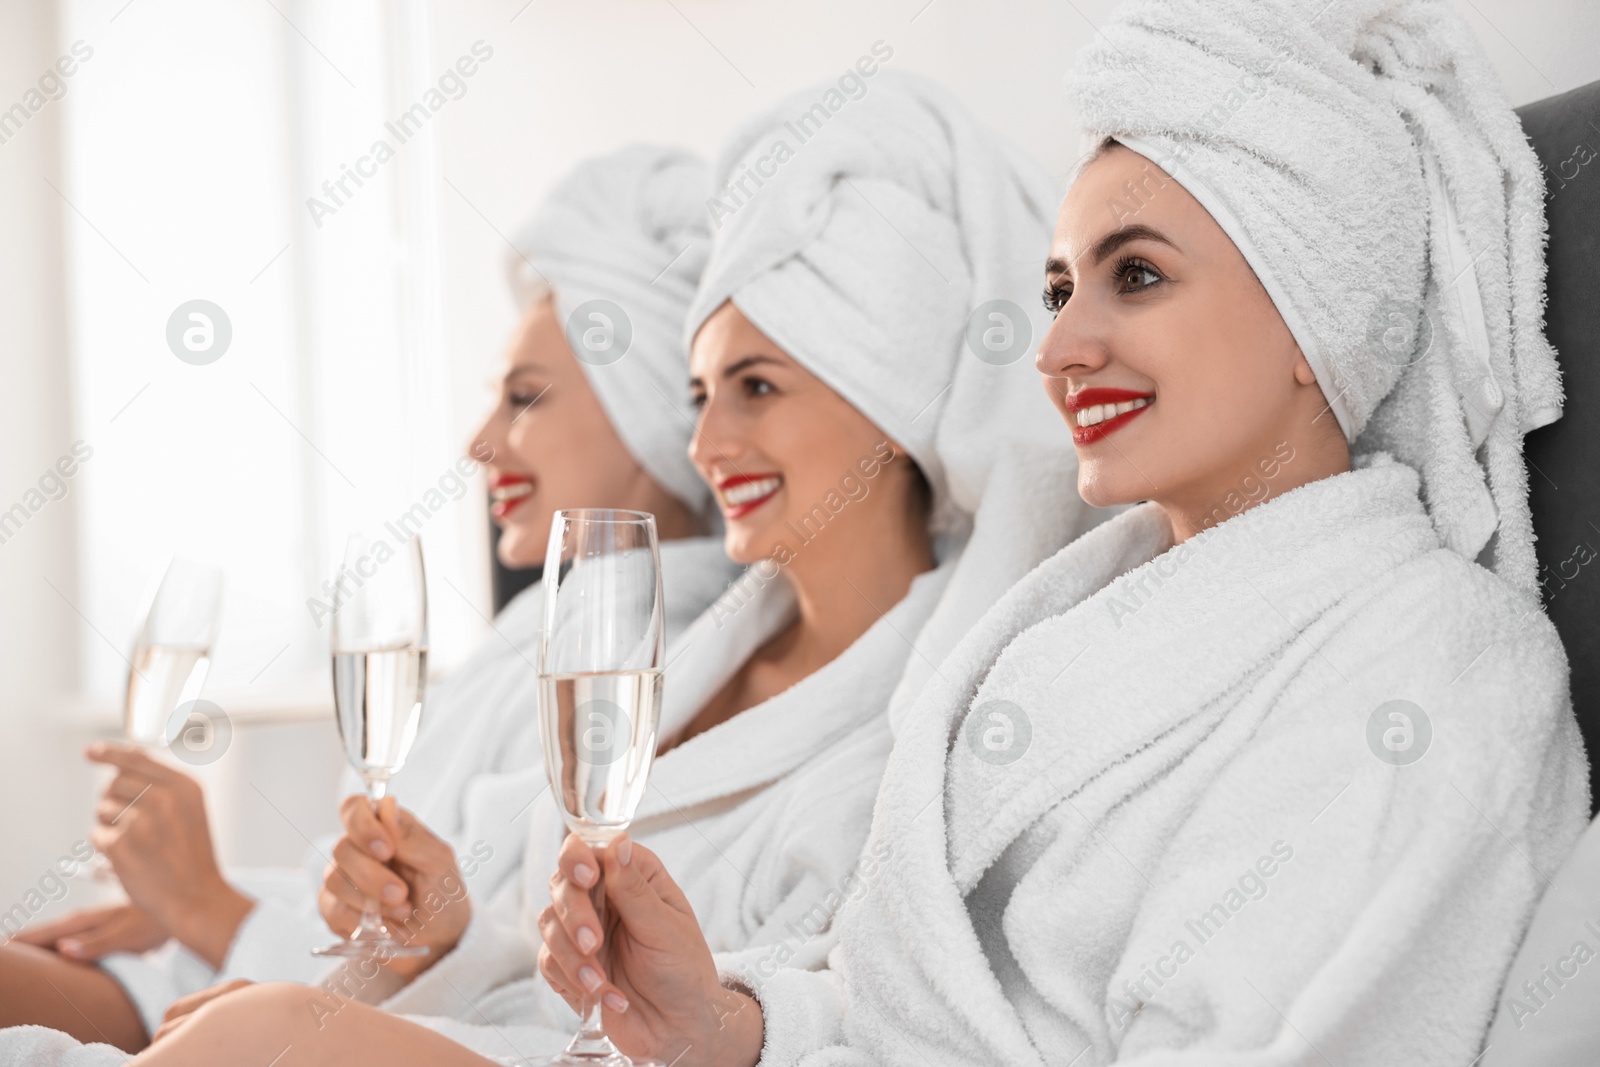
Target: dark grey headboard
column 1564, row 457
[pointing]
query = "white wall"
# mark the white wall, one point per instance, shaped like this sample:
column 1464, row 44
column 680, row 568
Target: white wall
column 44, row 787
column 569, row 78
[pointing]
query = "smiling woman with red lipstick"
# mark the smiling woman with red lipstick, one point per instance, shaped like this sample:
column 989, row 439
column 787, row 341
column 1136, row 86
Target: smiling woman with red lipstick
column 598, row 431
column 554, row 446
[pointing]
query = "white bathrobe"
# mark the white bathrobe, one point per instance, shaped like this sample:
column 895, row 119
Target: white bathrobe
column 1199, row 856
column 471, row 778
column 763, row 818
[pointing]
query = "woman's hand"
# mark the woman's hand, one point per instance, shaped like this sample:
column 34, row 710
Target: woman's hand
column 91, row 933
column 650, row 966
column 153, row 829
column 391, row 858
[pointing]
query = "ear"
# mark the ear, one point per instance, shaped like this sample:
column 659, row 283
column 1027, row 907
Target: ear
column 1303, row 374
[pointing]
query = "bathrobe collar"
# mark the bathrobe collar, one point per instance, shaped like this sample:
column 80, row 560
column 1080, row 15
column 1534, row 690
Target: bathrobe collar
column 1114, row 722
column 762, row 744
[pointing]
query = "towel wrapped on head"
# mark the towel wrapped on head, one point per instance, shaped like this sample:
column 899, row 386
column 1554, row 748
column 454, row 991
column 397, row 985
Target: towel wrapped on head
column 1364, row 158
column 867, row 251
column 895, row 251
column 620, row 243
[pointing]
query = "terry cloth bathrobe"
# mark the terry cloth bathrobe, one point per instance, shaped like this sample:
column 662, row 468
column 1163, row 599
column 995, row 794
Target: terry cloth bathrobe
column 627, row 228
column 764, row 816
column 1286, row 793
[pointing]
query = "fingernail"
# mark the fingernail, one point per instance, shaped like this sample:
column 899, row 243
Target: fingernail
column 70, row 946
column 586, row 940
column 589, row 977
column 583, row 874
column 379, row 848
column 394, row 892
column 625, row 850
column 616, row 1002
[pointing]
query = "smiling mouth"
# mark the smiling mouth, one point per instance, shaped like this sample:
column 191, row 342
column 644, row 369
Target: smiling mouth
column 1097, row 413
column 507, row 494
column 742, row 495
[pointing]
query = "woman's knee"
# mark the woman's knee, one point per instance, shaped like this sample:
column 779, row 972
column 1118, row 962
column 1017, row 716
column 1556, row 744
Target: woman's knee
column 257, row 1012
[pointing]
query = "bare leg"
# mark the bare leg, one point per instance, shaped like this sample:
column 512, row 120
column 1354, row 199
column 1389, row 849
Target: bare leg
column 258, row 1023
column 41, row 988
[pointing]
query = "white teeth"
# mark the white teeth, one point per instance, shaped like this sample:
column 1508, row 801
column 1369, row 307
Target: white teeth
column 748, row 491
column 514, row 491
column 1099, row 413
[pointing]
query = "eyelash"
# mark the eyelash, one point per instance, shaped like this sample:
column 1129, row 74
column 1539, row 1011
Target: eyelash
column 750, row 384
column 1056, row 296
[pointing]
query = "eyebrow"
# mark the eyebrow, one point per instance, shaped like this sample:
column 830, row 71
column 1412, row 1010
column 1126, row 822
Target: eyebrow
column 1110, row 243
column 738, row 365
column 524, row 368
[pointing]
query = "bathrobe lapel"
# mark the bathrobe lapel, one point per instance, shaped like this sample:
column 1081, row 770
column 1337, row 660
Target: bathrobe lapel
column 1123, row 654
column 1134, row 677
column 766, row 742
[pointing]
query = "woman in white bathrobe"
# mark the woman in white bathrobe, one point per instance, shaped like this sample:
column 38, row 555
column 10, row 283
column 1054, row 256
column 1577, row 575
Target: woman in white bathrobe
column 570, row 427
column 1272, row 768
column 849, row 456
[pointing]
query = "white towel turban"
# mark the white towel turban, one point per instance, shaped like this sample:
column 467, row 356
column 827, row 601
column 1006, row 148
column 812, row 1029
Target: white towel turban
column 1364, row 158
column 621, row 242
column 894, row 247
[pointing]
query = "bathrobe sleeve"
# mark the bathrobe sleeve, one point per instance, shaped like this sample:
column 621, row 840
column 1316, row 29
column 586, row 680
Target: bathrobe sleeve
column 1371, row 922
column 274, row 944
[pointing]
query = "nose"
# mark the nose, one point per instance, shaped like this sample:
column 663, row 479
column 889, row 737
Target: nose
column 718, row 436
column 1074, row 346
column 487, row 440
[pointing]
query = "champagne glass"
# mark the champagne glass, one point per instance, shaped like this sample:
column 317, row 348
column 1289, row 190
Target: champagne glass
column 380, row 659
column 171, row 657
column 600, row 665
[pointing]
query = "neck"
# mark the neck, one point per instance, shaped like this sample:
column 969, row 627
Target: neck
column 1307, row 450
column 847, row 579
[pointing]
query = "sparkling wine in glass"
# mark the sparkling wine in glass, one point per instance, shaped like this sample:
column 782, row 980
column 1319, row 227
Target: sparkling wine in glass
column 171, row 657
column 600, row 666
column 380, row 659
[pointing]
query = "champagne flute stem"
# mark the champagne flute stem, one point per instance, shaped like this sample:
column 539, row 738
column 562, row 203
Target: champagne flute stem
column 593, row 1028
column 371, row 922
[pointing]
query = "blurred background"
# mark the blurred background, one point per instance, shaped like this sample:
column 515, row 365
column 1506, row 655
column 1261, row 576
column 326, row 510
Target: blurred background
column 196, row 151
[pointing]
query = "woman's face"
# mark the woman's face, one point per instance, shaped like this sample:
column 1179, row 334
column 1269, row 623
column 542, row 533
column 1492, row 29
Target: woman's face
column 1174, row 370
column 787, row 458
column 548, row 443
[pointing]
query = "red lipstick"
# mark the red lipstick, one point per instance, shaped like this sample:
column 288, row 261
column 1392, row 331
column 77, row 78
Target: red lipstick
column 508, row 490
column 743, row 493
column 1096, row 402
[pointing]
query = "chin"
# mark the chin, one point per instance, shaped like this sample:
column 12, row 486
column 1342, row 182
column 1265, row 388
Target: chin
column 1099, row 490
column 748, row 547
column 518, row 549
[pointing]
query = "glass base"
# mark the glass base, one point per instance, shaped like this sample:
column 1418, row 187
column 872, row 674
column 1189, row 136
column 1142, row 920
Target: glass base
column 592, row 1048
column 609, row 1057
column 381, row 948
